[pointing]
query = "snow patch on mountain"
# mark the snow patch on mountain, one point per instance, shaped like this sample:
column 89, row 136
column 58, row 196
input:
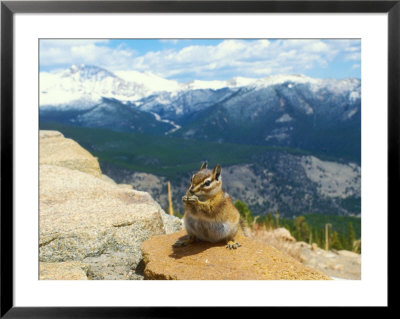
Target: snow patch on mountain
column 175, row 126
column 284, row 118
column 343, row 86
column 355, row 95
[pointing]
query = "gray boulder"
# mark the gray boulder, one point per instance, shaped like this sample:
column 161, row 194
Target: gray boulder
column 86, row 218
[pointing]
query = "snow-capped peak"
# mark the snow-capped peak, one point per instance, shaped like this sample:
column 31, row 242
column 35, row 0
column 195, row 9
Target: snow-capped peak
column 215, row 85
column 87, row 72
column 240, row 81
column 253, row 82
column 283, row 78
column 199, row 85
column 151, row 81
column 85, row 83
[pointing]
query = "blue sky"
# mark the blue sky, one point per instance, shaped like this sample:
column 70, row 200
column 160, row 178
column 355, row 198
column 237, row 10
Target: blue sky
column 209, row 59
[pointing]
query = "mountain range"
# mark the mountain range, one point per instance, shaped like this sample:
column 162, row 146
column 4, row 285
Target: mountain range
column 321, row 117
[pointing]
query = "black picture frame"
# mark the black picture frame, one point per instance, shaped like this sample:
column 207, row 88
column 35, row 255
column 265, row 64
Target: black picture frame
column 9, row 8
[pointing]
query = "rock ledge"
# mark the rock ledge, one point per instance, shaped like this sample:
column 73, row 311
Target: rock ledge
column 206, row 261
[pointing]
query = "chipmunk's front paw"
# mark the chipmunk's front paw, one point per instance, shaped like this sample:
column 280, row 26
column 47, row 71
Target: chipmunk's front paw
column 192, row 199
column 232, row 245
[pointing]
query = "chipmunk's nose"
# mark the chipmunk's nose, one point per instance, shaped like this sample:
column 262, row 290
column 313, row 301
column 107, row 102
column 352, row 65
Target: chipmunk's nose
column 191, row 190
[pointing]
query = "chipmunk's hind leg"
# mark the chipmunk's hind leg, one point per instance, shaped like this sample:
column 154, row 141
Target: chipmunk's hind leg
column 184, row 241
column 231, row 244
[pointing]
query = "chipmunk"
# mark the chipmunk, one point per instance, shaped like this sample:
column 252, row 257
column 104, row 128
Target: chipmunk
column 209, row 213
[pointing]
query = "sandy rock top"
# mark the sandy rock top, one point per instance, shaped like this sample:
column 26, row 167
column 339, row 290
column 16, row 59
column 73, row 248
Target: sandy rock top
column 57, row 150
column 206, row 261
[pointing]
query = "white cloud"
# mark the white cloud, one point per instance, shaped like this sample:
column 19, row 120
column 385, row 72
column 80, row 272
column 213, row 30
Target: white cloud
column 255, row 58
column 97, row 52
column 247, row 58
column 354, row 56
column 172, row 41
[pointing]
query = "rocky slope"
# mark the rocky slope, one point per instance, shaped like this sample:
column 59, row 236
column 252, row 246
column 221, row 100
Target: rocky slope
column 291, row 184
column 342, row 264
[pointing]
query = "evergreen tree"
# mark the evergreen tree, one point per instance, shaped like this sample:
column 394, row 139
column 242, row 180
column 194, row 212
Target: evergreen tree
column 315, row 237
column 175, row 211
column 318, row 238
column 301, row 230
column 270, row 221
column 244, row 211
column 178, row 214
column 342, row 239
column 351, row 237
column 322, row 237
column 357, row 246
column 277, row 218
column 335, row 241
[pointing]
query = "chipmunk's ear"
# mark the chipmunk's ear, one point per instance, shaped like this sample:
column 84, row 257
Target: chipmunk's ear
column 217, row 172
column 204, row 166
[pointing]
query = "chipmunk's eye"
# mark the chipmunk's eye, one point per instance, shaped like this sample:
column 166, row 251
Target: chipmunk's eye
column 207, row 183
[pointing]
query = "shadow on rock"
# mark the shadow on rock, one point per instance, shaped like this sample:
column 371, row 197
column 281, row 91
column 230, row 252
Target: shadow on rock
column 193, row 248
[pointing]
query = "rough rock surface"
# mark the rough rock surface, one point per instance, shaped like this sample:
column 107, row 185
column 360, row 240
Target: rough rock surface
column 92, row 220
column 336, row 264
column 108, row 179
column 341, row 264
column 57, row 150
column 82, row 216
column 69, row 270
column 172, row 224
column 283, row 234
column 201, row 260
